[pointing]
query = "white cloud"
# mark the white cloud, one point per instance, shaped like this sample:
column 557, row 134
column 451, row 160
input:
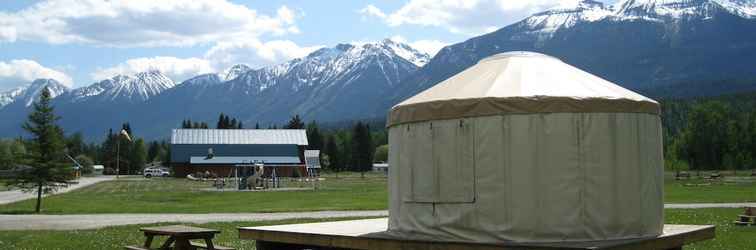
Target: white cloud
column 178, row 69
column 255, row 53
column 470, row 17
column 141, row 23
column 371, row 10
column 221, row 56
column 15, row 73
column 430, row 47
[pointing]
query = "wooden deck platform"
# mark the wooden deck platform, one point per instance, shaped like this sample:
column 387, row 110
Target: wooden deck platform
column 368, row 234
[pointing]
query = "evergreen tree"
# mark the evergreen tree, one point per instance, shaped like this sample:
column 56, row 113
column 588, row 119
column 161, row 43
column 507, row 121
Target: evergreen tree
column 48, row 168
column 233, row 124
column 108, row 151
column 219, row 124
column 240, row 126
column 295, row 123
column 137, row 156
column 6, row 156
column 75, row 144
column 706, row 135
column 314, row 137
column 226, row 122
column 166, row 157
column 362, row 149
column 334, row 156
column 257, row 125
column 152, row 151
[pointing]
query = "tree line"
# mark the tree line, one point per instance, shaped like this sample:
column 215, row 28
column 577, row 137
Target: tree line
column 710, row 133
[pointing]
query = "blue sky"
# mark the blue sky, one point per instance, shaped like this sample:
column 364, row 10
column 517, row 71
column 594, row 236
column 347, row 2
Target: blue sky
column 78, row 42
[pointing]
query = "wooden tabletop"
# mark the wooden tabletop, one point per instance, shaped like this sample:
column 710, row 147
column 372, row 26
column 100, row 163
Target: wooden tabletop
column 178, row 230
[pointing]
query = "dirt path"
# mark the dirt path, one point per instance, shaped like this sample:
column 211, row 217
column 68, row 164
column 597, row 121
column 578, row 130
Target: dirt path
column 90, row 221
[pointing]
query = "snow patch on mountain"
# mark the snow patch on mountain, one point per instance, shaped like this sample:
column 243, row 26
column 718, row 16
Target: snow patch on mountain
column 545, row 23
column 139, row 87
column 28, row 94
column 744, row 8
column 329, row 65
column 235, row 71
column 567, row 16
column 408, row 53
column 9, row 96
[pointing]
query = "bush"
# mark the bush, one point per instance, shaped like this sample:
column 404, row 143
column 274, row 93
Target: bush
column 381, row 153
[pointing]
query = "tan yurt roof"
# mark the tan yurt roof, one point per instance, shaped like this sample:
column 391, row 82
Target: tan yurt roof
column 519, row 82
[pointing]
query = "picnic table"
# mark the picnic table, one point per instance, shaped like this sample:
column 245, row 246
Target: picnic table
column 180, row 236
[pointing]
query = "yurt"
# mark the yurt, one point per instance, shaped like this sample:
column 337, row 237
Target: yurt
column 524, row 147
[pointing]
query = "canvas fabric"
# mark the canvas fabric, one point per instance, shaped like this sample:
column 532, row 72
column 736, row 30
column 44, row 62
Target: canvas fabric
column 519, row 83
column 541, row 177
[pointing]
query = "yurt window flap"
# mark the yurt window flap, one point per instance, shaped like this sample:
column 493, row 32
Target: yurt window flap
column 442, row 165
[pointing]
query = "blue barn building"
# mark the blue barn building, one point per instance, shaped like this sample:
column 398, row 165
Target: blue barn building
column 222, row 151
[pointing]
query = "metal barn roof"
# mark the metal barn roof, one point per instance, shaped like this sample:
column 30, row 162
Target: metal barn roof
column 239, row 136
column 244, row 160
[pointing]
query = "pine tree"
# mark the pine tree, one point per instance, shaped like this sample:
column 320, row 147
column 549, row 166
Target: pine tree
column 295, row 123
column 240, row 126
column 233, row 124
column 257, row 125
column 226, row 122
column 48, row 169
column 138, row 155
column 362, row 149
column 75, row 144
column 332, row 151
column 314, row 137
column 152, row 151
column 219, row 125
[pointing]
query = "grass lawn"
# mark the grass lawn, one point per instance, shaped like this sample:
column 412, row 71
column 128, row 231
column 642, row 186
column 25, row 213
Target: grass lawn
column 346, row 192
column 729, row 236
column 731, row 189
column 171, row 195
column 119, row 236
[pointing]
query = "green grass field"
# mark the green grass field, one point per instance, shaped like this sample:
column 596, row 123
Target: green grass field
column 170, row 195
column 120, row 236
column 741, row 188
column 729, row 236
column 346, row 192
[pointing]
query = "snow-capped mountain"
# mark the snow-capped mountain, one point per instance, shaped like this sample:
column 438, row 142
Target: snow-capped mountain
column 26, row 95
column 640, row 44
column 327, row 66
column 568, row 15
column 565, row 17
column 136, row 88
column 235, row 71
column 10, row 95
column 346, row 81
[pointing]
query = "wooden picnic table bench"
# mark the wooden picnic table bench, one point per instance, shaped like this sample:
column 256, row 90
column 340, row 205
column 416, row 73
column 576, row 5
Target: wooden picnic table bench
column 180, row 237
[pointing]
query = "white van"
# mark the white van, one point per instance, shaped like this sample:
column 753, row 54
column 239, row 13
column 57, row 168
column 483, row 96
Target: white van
column 158, row 172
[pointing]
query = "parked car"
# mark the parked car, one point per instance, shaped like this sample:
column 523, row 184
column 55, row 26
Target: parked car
column 158, row 172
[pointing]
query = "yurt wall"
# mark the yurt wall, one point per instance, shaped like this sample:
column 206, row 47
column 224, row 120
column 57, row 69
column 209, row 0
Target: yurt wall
column 540, row 177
